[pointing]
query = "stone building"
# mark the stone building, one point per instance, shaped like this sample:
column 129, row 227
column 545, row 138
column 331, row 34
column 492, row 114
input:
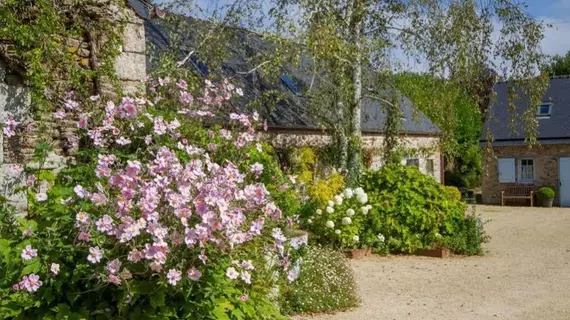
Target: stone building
column 513, row 161
column 144, row 36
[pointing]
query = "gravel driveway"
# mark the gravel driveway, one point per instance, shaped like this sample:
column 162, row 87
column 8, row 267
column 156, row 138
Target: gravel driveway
column 525, row 275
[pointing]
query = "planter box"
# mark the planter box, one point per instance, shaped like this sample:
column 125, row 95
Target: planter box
column 357, row 253
column 436, row 253
column 547, row 203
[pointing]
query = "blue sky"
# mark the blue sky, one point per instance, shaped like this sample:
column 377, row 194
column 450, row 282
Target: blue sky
column 554, row 12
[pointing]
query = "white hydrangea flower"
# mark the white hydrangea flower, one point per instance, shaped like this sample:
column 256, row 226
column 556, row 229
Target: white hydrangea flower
column 330, row 224
column 331, row 203
column 330, row 210
column 348, row 193
column 309, row 221
column 366, row 209
column 362, row 198
column 381, row 237
column 319, row 211
column 337, row 231
column 359, row 191
column 338, row 200
column 356, row 238
column 350, row 212
column 346, row 221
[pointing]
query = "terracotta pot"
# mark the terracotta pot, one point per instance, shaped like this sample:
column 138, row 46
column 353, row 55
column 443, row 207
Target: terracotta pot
column 356, row 253
column 436, row 253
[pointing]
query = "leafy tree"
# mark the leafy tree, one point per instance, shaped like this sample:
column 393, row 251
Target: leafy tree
column 560, row 65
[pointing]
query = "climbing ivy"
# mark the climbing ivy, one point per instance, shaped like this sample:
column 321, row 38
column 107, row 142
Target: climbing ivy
column 36, row 40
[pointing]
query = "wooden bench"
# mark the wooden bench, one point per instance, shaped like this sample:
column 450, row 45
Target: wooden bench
column 518, row 192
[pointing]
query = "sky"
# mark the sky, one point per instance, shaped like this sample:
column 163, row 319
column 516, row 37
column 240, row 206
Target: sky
column 554, row 12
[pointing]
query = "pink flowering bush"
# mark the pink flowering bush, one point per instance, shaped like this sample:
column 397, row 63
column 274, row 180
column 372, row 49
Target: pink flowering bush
column 164, row 214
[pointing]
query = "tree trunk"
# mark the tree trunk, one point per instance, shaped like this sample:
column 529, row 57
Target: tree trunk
column 354, row 144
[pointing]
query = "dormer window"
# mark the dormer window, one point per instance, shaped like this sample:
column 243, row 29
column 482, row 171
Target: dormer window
column 544, row 109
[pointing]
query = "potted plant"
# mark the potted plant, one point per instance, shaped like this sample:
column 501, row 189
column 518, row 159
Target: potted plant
column 546, row 196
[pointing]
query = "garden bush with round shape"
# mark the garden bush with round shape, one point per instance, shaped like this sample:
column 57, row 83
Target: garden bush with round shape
column 160, row 218
column 326, row 284
column 409, row 208
column 545, row 193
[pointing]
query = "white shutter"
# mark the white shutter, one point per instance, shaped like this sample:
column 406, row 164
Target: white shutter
column 507, row 170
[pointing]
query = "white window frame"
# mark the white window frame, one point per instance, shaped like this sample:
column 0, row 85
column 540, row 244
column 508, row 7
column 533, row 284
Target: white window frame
column 432, row 173
column 542, row 115
column 519, row 171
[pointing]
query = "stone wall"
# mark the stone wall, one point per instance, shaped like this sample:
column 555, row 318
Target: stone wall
column 545, row 163
column 130, row 67
column 372, row 144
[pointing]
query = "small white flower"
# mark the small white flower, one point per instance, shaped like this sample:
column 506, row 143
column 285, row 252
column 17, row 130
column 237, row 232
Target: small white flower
column 362, row 198
column 356, row 238
column 358, row 191
column 346, row 221
column 330, row 210
column 54, row 268
column 338, row 200
column 310, row 221
column 366, row 209
column 330, row 224
column 337, row 231
column 319, row 211
column 331, row 203
column 348, row 193
column 381, row 237
column 350, row 212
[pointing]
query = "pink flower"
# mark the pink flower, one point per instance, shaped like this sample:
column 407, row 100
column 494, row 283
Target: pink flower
column 174, row 276
column 105, row 224
column 155, row 266
column 135, row 256
column 182, row 84
column 80, row 192
column 84, row 236
column 31, row 283
column 127, row 109
column 246, row 277
column 54, row 268
column 10, row 126
column 114, row 279
column 123, row 141
column 194, row 274
column 41, row 196
column 94, row 98
column 59, row 114
column 247, row 265
column 160, row 126
column 257, row 168
column 232, row 273
column 82, row 123
column 244, row 298
column 28, row 232
column 114, row 266
column 28, row 253
column 95, row 255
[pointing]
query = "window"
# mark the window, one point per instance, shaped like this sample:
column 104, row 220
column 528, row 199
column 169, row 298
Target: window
column 526, row 170
column 430, row 167
column 506, row 170
column 413, row 162
column 291, row 84
column 544, row 109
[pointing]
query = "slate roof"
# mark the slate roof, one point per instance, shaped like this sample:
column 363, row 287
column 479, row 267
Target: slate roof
column 293, row 111
column 553, row 129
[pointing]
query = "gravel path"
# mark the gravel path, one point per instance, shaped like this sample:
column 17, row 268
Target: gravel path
column 525, row 275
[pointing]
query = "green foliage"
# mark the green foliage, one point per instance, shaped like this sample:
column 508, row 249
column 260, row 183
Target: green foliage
column 409, row 208
column 453, row 192
column 468, row 236
column 559, row 66
column 457, row 114
column 545, row 193
column 326, row 284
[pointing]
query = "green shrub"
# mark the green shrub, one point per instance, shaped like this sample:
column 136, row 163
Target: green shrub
column 468, row 238
column 325, row 284
column 454, row 192
column 545, row 193
column 409, row 208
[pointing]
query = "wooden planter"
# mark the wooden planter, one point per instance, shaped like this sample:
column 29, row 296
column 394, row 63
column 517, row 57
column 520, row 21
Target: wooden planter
column 358, row 253
column 436, row 253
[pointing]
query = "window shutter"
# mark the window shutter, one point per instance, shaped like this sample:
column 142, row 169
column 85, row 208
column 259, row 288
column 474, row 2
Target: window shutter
column 507, row 170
